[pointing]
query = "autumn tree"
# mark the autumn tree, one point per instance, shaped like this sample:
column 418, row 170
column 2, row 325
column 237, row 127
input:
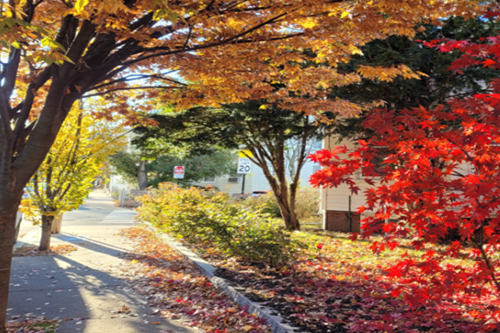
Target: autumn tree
column 436, row 85
column 439, row 174
column 64, row 179
column 55, row 52
column 264, row 129
column 160, row 168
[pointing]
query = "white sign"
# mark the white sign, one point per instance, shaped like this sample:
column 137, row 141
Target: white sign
column 179, row 172
column 244, row 166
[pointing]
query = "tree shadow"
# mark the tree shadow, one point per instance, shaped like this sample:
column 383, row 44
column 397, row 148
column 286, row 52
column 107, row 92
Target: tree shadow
column 84, row 298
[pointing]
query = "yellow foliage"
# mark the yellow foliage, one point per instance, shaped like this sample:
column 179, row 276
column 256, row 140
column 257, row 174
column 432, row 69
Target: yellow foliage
column 64, row 179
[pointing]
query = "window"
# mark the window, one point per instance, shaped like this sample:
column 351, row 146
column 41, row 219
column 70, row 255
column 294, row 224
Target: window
column 233, row 179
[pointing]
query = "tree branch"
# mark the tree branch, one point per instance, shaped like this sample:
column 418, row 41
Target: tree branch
column 130, row 88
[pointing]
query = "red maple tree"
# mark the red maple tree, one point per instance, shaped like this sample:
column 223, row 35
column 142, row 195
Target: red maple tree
column 439, row 176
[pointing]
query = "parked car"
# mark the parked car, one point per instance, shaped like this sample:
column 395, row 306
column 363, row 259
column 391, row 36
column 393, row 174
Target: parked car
column 259, row 193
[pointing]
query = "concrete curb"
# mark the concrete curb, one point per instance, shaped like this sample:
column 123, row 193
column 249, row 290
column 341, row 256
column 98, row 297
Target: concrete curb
column 277, row 324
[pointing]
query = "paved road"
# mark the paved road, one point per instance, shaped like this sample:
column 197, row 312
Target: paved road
column 83, row 288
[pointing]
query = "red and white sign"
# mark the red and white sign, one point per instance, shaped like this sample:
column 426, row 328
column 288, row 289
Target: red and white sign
column 179, row 172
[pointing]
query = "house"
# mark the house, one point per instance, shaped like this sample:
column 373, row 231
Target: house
column 256, row 181
column 339, row 206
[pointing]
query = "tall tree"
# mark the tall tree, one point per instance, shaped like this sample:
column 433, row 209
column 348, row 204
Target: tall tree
column 64, row 179
column 55, row 52
column 264, row 129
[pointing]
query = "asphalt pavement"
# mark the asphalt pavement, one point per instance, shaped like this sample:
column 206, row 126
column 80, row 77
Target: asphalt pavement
column 83, row 289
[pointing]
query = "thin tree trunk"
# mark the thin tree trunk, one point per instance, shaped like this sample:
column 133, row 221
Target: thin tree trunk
column 142, row 175
column 46, row 232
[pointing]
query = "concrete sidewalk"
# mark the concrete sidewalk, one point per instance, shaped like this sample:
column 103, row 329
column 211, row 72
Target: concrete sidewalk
column 83, row 288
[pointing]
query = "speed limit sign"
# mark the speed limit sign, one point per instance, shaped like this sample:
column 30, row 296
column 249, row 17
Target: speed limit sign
column 244, row 166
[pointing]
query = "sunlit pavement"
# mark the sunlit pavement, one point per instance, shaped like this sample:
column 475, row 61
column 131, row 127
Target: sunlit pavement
column 83, row 288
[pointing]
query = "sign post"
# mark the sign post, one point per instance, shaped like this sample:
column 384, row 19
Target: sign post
column 244, row 166
column 179, row 172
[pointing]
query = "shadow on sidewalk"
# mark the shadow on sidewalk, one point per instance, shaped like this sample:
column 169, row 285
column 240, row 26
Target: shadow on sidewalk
column 84, row 297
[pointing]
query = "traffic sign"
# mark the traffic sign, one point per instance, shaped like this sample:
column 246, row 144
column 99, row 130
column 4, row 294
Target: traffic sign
column 244, row 165
column 179, row 172
column 245, row 153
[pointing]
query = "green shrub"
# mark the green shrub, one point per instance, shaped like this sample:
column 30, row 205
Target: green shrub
column 265, row 203
column 212, row 217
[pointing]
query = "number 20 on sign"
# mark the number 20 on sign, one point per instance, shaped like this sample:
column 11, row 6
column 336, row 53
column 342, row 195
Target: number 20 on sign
column 244, row 166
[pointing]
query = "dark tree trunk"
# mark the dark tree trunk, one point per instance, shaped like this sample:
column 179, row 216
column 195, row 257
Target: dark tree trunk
column 46, row 232
column 142, row 175
column 8, row 210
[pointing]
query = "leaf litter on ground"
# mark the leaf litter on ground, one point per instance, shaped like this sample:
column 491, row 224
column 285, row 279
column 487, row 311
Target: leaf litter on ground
column 178, row 291
column 338, row 285
column 33, row 251
column 32, row 325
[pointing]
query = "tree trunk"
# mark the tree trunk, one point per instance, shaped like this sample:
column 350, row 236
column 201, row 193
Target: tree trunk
column 142, row 175
column 46, row 232
column 287, row 212
column 8, row 210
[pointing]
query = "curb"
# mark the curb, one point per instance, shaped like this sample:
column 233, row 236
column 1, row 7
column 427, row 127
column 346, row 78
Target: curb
column 277, row 325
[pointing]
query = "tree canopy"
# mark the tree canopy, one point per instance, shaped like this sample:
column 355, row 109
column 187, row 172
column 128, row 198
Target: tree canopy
column 65, row 177
column 161, row 168
column 437, row 83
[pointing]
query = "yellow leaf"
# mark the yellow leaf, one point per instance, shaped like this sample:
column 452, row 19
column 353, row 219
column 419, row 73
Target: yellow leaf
column 344, row 14
column 80, row 4
column 247, row 328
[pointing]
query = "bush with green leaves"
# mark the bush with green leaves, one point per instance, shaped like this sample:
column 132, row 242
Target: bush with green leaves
column 206, row 216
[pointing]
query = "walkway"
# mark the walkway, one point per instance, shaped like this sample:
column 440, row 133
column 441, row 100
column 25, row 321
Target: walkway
column 83, row 288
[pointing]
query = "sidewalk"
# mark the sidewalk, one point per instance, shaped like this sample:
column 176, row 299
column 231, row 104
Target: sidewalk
column 83, row 288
